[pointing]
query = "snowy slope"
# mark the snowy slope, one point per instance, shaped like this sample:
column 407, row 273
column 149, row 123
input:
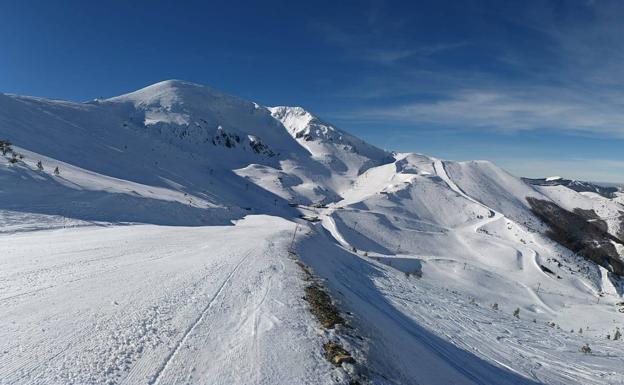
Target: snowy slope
column 104, row 155
column 344, row 155
column 159, row 253
column 478, row 259
column 324, row 140
column 596, row 206
column 157, row 305
column 429, row 331
column 193, row 115
column 493, row 187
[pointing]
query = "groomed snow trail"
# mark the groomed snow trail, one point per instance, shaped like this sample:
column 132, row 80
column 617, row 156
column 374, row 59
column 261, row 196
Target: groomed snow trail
column 421, row 332
column 455, row 333
column 156, row 305
column 528, row 256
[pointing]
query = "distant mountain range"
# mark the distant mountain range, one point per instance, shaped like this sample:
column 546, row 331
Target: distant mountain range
column 606, row 190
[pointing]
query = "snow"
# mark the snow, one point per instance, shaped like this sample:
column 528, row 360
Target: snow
column 493, row 187
column 456, row 340
column 608, row 210
column 159, row 255
column 156, row 304
column 344, row 155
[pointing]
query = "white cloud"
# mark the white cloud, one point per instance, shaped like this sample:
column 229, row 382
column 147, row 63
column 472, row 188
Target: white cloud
column 537, row 108
column 564, row 71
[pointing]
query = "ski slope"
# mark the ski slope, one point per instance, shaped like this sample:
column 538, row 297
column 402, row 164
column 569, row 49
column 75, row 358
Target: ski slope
column 427, row 331
column 159, row 253
column 156, row 305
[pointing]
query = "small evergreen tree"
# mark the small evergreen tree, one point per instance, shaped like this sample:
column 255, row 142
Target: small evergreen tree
column 40, row 165
column 617, row 334
column 5, row 146
column 516, row 312
column 585, row 349
column 56, row 171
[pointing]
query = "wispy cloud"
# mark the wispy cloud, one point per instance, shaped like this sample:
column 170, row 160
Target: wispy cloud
column 596, row 170
column 508, row 111
column 561, row 68
column 378, row 38
column 391, row 56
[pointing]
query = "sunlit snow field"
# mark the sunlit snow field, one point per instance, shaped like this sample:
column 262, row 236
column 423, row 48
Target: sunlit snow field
column 165, row 252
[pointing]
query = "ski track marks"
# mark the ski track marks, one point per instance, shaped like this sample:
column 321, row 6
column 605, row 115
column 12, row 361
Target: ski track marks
column 156, row 305
column 199, row 319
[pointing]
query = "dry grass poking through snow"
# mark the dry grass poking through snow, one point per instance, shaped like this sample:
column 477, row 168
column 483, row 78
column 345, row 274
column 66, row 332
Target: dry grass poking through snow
column 322, row 307
column 328, row 315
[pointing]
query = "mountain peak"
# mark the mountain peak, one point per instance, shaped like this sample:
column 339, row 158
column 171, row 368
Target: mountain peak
column 174, row 83
column 168, row 93
column 328, row 142
column 305, row 126
column 296, row 119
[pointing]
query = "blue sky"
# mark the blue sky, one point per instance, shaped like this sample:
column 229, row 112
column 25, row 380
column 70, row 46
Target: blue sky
column 535, row 86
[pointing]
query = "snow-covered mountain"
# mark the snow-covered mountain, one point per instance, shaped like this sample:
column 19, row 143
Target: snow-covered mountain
column 576, row 185
column 146, row 240
column 343, row 153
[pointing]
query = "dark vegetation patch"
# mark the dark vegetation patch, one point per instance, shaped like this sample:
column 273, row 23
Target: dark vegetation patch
column 328, row 315
column 587, row 214
column 308, row 275
column 574, row 231
column 591, row 215
column 322, row 307
column 336, row 354
column 620, row 231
